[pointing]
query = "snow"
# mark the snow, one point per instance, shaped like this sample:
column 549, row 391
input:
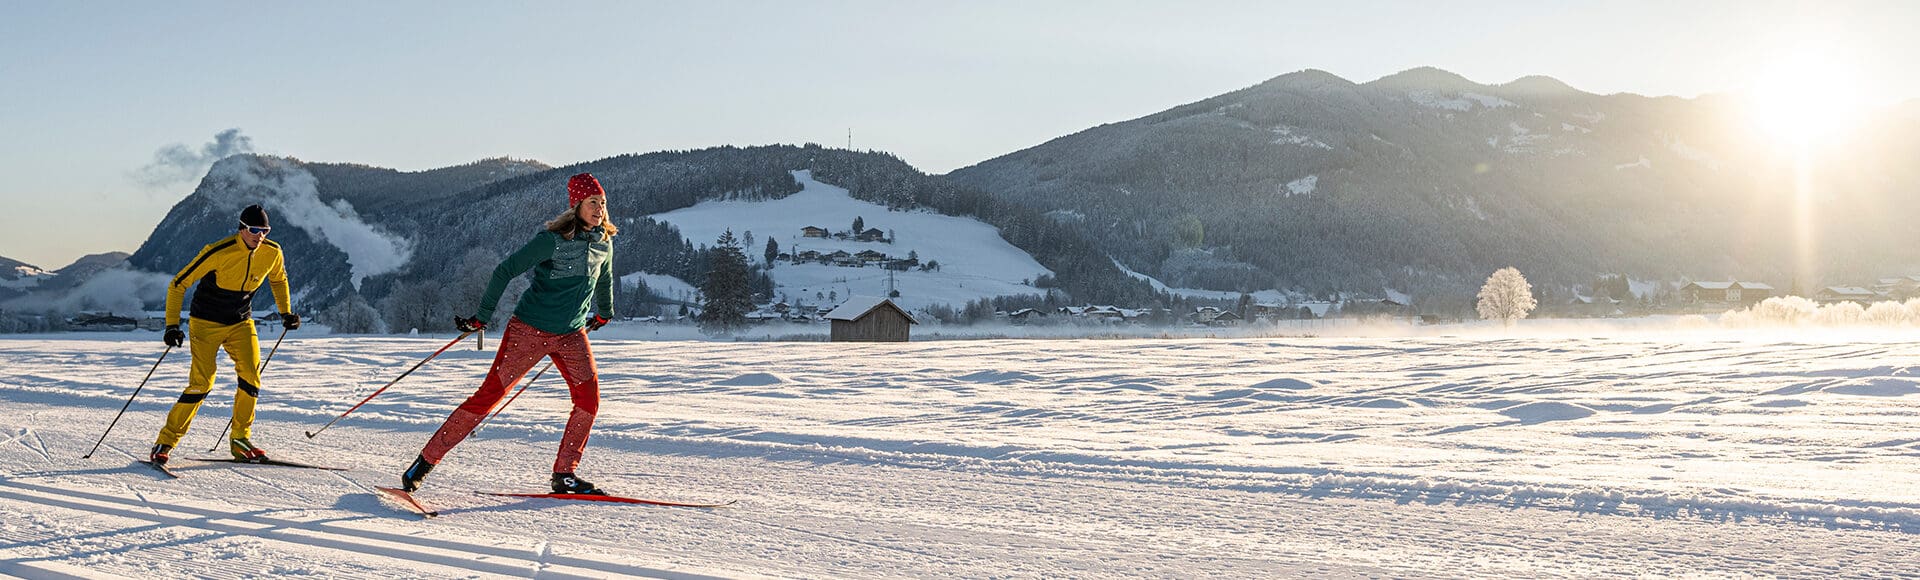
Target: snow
column 1476, row 455
column 1158, row 286
column 1643, row 162
column 1302, row 186
column 662, row 285
column 1463, row 102
column 975, row 262
column 1519, row 139
column 25, row 277
column 1433, row 100
column 1691, row 153
column 1488, row 101
column 1289, row 135
column 855, row 306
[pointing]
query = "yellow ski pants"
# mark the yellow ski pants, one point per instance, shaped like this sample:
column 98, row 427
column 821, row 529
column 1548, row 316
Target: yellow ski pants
column 206, row 339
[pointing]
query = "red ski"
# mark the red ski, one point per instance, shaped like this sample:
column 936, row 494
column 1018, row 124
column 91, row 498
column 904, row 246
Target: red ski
column 608, row 499
column 406, row 500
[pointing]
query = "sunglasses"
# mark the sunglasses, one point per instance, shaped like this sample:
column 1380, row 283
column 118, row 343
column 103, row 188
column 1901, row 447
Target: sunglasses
column 255, row 230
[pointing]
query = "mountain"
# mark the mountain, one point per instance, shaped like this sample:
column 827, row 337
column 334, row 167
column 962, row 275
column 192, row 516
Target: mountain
column 83, row 269
column 420, row 246
column 1426, row 181
column 320, row 212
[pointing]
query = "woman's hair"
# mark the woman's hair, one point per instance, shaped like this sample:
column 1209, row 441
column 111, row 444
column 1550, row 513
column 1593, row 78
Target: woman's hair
column 568, row 223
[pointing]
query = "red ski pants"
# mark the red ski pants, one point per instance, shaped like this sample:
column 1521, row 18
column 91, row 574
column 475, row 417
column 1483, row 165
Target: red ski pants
column 520, row 347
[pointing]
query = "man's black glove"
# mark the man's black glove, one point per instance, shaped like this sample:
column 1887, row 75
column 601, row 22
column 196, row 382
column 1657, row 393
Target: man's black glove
column 596, row 322
column 290, row 321
column 469, row 324
column 174, row 337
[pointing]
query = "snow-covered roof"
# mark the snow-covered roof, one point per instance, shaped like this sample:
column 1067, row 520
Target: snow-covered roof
column 1753, row 286
column 1713, row 285
column 1849, row 291
column 858, row 306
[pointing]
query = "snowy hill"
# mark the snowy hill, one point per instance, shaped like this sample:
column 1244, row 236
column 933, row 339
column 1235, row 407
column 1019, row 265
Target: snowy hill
column 18, row 275
column 975, row 262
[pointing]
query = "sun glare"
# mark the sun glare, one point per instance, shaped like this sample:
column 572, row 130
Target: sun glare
column 1805, row 99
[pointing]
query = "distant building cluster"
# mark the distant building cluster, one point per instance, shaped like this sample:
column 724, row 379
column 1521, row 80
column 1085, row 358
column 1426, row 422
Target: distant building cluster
column 861, row 259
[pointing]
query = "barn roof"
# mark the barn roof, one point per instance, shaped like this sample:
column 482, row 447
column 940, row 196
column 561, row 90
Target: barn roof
column 858, row 307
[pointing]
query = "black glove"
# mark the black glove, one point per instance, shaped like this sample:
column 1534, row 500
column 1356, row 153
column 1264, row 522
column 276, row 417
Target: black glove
column 596, row 322
column 174, row 337
column 290, row 321
column 469, row 324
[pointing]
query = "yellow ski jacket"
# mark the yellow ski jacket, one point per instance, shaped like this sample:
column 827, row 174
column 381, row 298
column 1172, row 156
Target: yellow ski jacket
column 228, row 274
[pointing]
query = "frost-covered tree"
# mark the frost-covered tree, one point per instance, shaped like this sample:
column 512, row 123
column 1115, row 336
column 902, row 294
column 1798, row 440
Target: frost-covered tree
column 773, row 251
column 352, row 315
column 1506, row 297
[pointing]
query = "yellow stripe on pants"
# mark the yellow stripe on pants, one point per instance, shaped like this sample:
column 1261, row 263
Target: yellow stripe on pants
column 206, row 339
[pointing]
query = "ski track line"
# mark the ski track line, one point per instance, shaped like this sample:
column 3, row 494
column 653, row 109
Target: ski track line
column 828, row 536
column 403, row 547
column 242, row 471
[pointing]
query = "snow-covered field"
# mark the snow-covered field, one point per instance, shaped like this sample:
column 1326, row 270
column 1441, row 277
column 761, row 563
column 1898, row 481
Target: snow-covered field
column 1484, row 456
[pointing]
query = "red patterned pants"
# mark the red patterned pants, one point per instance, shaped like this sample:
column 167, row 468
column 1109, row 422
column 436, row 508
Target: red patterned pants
column 520, row 347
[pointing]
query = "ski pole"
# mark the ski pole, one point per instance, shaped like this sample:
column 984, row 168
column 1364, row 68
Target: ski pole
column 123, row 408
column 263, row 368
column 416, row 366
column 516, row 395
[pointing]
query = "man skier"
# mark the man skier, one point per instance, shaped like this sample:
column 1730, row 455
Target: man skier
column 227, row 273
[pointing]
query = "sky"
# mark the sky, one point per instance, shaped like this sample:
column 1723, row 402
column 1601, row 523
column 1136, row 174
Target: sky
column 91, row 91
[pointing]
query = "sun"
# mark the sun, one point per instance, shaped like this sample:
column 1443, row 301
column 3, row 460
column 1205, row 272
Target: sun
column 1805, row 98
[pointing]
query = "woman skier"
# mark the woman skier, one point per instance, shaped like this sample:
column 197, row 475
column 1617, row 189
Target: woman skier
column 572, row 263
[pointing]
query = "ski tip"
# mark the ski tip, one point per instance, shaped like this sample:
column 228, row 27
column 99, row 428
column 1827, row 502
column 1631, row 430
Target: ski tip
column 406, row 498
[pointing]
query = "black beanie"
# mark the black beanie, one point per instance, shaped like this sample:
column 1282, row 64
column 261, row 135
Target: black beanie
column 254, row 216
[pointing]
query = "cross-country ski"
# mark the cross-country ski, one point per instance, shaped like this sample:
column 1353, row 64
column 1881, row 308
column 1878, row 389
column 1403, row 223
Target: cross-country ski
column 406, row 500
column 607, row 499
column 266, row 462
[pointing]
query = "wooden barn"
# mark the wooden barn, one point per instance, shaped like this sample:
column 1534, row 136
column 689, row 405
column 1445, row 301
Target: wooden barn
column 870, row 319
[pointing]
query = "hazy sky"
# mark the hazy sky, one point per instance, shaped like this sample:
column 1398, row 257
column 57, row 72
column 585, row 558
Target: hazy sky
column 89, row 91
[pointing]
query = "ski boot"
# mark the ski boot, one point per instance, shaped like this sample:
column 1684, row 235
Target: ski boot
column 244, row 451
column 410, row 480
column 567, row 483
column 159, row 454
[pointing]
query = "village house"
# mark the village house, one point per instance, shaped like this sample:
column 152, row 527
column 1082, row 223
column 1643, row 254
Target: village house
column 1724, row 294
column 1838, row 294
column 1025, row 315
column 813, row 232
column 871, row 235
column 102, row 322
column 1594, row 307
